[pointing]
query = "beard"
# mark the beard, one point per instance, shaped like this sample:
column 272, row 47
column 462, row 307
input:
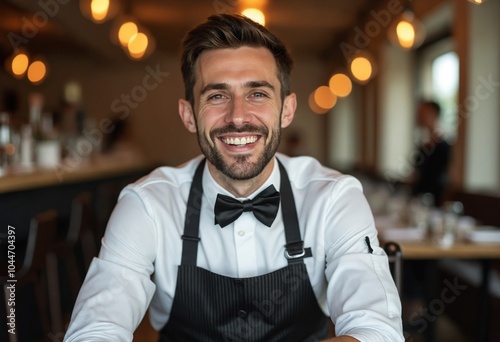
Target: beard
column 240, row 167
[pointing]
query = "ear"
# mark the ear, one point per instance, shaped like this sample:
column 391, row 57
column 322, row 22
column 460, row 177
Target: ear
column 288, row 112
column 187, row 115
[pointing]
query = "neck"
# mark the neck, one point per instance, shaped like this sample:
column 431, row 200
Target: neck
column 241, row 188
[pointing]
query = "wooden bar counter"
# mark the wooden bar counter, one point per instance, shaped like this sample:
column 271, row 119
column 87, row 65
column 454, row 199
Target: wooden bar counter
column 23, row 194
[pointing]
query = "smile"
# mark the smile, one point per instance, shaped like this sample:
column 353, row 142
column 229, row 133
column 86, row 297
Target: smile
column 240, row 141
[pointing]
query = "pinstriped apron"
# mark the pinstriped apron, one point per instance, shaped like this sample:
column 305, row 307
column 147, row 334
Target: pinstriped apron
column 278, row 306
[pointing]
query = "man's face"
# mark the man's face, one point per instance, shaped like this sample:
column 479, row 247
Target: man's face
column 238, row 112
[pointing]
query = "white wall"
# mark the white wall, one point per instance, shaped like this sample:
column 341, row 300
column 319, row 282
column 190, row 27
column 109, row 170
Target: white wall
column 344, row 138
column 482, row 107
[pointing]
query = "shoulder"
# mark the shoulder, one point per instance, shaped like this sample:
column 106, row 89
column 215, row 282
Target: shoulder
column 307, row 171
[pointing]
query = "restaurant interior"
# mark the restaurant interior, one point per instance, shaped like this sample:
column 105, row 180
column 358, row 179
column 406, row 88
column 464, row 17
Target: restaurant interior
column 88, row 107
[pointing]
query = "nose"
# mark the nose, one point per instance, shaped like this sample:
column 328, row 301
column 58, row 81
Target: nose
column 238, row 113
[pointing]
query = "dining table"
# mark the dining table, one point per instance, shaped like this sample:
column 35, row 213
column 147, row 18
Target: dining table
column 480, row 244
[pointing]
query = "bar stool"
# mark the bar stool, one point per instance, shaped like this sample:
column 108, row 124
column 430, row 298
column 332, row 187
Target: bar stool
column 39, row 268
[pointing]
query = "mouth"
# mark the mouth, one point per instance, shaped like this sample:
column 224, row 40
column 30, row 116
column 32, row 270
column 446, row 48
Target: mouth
column 239, row 140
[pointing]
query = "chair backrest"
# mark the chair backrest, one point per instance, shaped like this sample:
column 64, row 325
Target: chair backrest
column 395, row 255
column 80, row 211
column 41, row 239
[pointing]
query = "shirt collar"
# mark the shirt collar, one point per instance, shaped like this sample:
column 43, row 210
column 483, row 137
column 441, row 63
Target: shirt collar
column 211, row 188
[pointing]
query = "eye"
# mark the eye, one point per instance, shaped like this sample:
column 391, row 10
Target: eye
column 259, row 94
column 216, row 98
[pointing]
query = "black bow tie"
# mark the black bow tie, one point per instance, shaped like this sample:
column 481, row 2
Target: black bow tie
column 264, row 206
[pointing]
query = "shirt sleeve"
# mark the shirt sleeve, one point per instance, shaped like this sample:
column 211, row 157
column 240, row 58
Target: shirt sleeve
column 117, row 289
column 362, row 297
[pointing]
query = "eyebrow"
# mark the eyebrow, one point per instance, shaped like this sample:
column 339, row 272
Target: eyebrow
column 225, row 86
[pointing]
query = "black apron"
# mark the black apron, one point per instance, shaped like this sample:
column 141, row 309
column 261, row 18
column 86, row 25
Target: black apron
column 278, row 306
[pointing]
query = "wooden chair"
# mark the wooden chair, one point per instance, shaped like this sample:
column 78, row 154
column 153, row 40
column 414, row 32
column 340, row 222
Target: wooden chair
column 80, row 234
column 395, row 256
column 39, row 268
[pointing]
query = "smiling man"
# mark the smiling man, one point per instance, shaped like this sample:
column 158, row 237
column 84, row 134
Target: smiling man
column 241, row 243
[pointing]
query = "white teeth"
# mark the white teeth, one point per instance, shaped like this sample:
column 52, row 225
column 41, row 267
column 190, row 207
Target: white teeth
column 240, row 141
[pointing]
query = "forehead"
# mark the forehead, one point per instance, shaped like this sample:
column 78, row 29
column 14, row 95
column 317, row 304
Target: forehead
column 226, row 65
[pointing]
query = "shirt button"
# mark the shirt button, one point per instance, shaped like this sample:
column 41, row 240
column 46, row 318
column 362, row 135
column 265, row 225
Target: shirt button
column 238, row 282
column 241, row 233
column 242, row 314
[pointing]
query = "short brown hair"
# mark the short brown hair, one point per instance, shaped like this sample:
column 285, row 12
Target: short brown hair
column 231, row 31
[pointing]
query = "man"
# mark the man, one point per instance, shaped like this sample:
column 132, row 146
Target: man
column 434, row 153
column 268, row 268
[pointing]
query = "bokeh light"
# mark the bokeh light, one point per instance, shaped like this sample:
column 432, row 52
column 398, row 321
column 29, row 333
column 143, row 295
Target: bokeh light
column 37, row 72
column 19, row 64
column 255, row 14
column 361, row 68
column 340, row 85
column 406, row 34
column 99, row 9
column 127, row 30
column 137, row 45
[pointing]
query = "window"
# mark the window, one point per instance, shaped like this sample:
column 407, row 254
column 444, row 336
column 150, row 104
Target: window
column 438, row 77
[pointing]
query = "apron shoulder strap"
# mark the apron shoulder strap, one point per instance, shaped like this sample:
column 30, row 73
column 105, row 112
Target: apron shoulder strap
column 190, row 238
column 294, row 248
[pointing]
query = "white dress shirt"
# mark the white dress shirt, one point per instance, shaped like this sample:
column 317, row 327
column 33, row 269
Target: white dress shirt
column 141, row 250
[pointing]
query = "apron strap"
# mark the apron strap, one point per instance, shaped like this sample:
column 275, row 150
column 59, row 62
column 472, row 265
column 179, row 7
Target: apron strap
column 294, row 248
column 191, row 236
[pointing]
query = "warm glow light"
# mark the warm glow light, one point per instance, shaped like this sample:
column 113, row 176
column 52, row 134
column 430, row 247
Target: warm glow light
column 254, row 3
column 314, row 106
column 324, row 97
column 20, row 64
column 99, row 9
column 406, row 34
column 477, row 2
column 255, row 14
column 126, row 32
column 137, row 45
column 361, row 68
column 340, row 85
column 36, row 72
column 407, row 31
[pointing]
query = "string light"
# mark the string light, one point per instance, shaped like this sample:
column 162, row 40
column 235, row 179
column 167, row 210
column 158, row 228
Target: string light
column 340, row 85
column 126, row 32
column 37, row 72
column 99, row 11
column 19, row 64
column 255, row 14
column 361, row 68
column 407, row 31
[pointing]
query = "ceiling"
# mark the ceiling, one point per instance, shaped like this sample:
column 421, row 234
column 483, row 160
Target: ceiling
column 311, row 27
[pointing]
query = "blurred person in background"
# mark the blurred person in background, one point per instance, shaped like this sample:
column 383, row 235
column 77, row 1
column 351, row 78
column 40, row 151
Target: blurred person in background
column 434, row 154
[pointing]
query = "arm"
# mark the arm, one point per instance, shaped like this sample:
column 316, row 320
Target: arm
column 362, row 298
column 117, row 289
